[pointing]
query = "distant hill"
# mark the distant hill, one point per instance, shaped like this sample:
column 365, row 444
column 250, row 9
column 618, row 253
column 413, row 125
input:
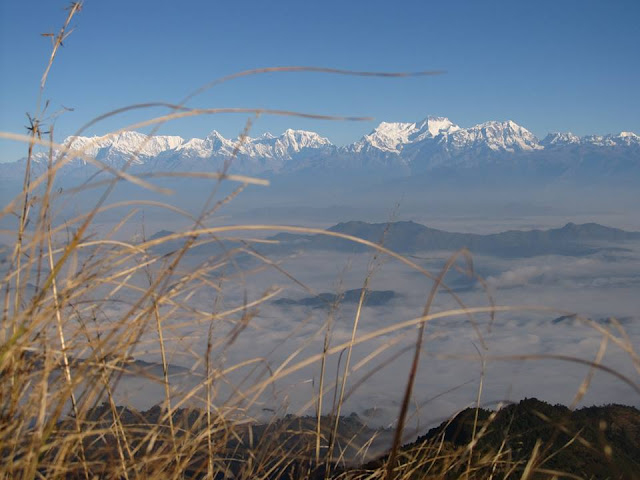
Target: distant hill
column 411, row 237
column 160, row 234
column 373, row 298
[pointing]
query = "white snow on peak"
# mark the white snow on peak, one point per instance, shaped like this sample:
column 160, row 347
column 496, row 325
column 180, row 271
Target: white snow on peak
column 300, row 139
column 599, row 140
column 283, row 146
column 628, row 138
column 215, row 135
column 123, row 144
column 497, row 136
column 388, row 137
column 216, row 142
column 431, row 141
column 205, row 147
column 266, row 146
column 561, row 138
column 621, row 139
column 196, row 147
column 612, row 140
column 134, row 142
column 628, row 134
column 392, row 137
column 435, row 126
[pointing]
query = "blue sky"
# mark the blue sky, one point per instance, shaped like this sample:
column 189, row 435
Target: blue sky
column 548, row 65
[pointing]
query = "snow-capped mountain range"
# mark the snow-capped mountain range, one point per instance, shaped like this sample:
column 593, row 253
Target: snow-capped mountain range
column 431, row 144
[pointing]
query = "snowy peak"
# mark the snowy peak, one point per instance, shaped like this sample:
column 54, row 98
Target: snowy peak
column 599, row 140
column 401, row 147
column 216, row 137
column 215, row 142
column 622, row 139
column 123, row 144
column 496, row 136
column 393, row 137
column 266, row 146
column 434, row 126
column 297, row 140
column 560, row 139
column 212, row 144
column 284, row 146
column 627, row 138
column 434, row 131
column 386, row 137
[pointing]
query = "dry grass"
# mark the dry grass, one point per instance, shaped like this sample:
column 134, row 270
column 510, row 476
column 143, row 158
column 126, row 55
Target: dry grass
column 62, row 361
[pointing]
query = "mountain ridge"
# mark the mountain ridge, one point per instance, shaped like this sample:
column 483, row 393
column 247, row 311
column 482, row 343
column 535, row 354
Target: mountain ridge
column 411, row 237
column 406, row 148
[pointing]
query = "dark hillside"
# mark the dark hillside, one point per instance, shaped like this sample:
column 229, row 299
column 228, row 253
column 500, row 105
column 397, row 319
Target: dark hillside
column 596, row 442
